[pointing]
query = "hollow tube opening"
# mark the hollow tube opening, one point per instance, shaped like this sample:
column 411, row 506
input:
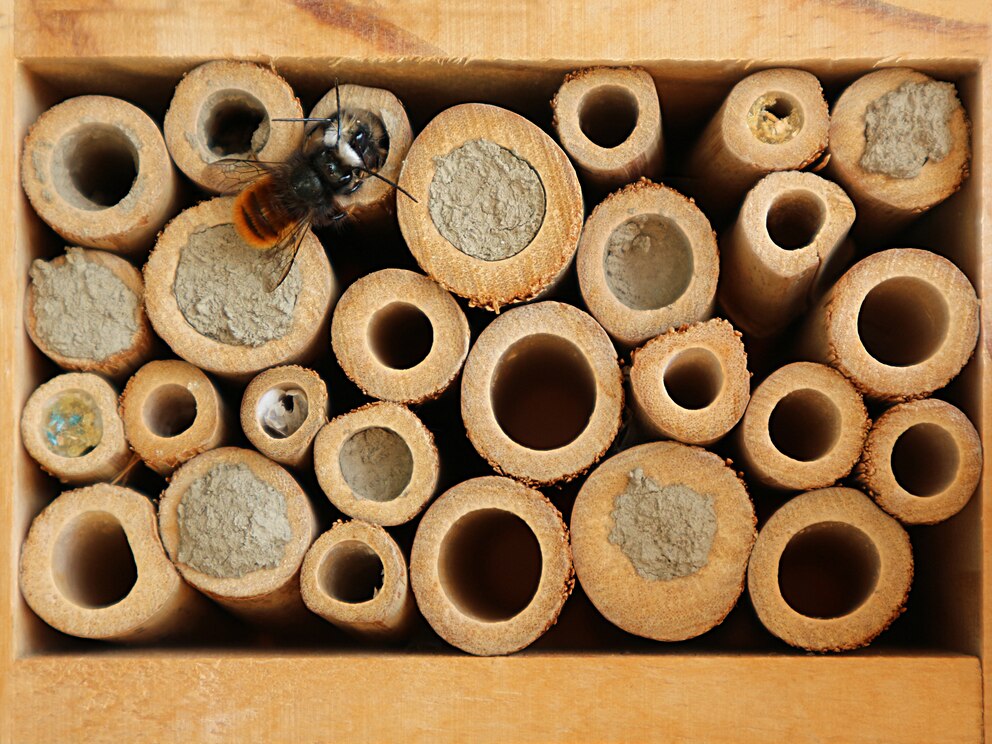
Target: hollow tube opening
column 693, row 378
column 775, row 118
column 100, row 167
column 282, row 410
column 794, row 219
column 169, row 410
column 903, row 321
column 608, row 115
column 236, row 123
column 351, row 572
column 401, row 335
column 805, row 425
column 92, row 562
column 925, row 459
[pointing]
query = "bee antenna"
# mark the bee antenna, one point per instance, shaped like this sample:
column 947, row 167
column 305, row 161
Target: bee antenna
column 305, row 118
column 391, row 183
column 337, row 94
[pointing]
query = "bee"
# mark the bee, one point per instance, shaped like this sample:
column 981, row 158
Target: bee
column 278, row 202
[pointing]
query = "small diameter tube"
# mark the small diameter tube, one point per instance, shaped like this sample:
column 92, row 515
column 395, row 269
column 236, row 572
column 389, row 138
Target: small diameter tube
column 804, row 428
column 790, row 236
column 691, row 384
column 524, row 195
column 922, row 461
column 70, row 426
column 225, row 109
column 478, row 524
column 608, row 119
column 661, row 534
column 93, row 566
column 647, row 262
column 377, row 463
column 899, row 324
column 172, row 412
column 355, row 576
column 399, row 336
column 96, row 169
column 830, row 571
column 542, row 393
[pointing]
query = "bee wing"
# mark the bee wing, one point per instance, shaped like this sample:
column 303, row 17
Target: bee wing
column 237, row 173
column 281, row 256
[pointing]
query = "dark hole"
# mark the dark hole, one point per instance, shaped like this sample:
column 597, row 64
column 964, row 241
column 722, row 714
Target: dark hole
column 231, row 125
column 903, row 321
column 92, row 562
column 102, row 166
column 694, row 378
column 400, row 335
column 804, row 425
column 169, row 410
column 925, row 459
column 351, row 572
column 794, row 219
column 608, row 115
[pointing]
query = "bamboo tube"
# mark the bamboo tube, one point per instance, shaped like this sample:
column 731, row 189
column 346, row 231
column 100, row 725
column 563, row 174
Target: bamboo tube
column 691, row 384
column 377, row 463
column 84, row 310
column 647, row 262
column 608, row 119
column 224, row 109
column 542, row 393
column 237, row 527
column 922, row 461
column 899, row 324
column 282, row 410
column 661, row 534
column 97, row 171
column 830, row 571
column 355, row 577
column 172, row 412
column 399, row 336
column 71, row 428
column 498, row 209
column 93, row 566
column 375, row 198
column 207, row 300
column 900, row 145
column 773, row 120
column 791, row 234
column 804, row 428
column 491, row 566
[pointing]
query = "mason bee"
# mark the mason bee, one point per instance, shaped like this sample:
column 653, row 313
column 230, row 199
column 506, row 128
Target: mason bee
column 279, row 201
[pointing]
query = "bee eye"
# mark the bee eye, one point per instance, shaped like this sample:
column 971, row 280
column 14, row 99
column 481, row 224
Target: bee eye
column 360, row 136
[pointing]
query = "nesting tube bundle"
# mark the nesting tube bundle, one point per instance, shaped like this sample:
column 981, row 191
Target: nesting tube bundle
column 85, row 311
column 70, row 426
column 224, row 109
column 804, row 428
column 377, row 463
column 399, row 336
column 830, row 570
column 773, row 120
column 491, row 566
column 647, row 262
column 922, row 461
column 206, row 296
column 790, row 234
column 900, row 324
column 97, row 171
column 93, row 566
column 237, row 526
column 355, row 576
column 608, row 119
column 691, row 384
column 661, row 534
column 172, row 412
column 542, row 393
column 282, row 410
column 899, row 144
column 498, row 208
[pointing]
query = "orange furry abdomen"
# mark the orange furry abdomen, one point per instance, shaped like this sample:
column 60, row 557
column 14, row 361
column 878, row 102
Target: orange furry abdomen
column 257, row 217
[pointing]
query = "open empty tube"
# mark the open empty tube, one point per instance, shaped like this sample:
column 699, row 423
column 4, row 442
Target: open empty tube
column 692, row 384
column 491, row 567
column 355, row 576
column 647, row 262
column 790, row 235
column 661, row 534
column 922, row 461
column 804, row 428
column 97, row 171
column 93, row 566
column 542, row 393
column 830, row 570
column 900, row 324
column 608, row 119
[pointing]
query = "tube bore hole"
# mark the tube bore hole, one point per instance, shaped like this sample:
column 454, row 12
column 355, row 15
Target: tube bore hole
column 828, row 570
column 169, row 410
column 543, row 392
column 775, row 118
column 281, row 411
column 235, row 123
column 351, row 572
column 376, row 463
column 694, row 378
column 903, row 321
column 648, row 262
column 794, row 219
column 805, row 425
column 490, row 565
column 92, row 562
column 608, row 115
column 925, row 459
column 101, row 166
column 401, row 335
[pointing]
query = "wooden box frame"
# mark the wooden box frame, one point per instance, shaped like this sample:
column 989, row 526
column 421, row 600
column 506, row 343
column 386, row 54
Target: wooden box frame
column 129, row 695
